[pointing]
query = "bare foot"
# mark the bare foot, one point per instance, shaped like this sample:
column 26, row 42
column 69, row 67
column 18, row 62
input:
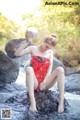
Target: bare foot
column 61, row 107
column 33, row 107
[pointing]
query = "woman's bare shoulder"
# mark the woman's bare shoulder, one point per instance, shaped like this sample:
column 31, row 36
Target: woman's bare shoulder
column 32, row 49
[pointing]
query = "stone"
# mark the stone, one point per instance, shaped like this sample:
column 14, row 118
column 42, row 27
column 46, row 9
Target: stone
column 8, row 69
column 72, row 70
column 72, row 83
column 57, row 63
column 21, row 60
column 47, row 103
column 13, row 45
column 4, row 97
column 69, row 70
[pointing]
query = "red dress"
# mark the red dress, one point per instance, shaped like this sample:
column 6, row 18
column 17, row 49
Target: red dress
column 40, row 66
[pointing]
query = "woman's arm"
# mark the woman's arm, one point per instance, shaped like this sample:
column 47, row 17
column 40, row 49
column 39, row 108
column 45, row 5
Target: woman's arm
column 22, row 50
column 50, row 67
column 43, row 84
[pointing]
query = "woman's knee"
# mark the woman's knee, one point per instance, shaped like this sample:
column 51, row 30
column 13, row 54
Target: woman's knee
column 60, row 69
column 29, row 70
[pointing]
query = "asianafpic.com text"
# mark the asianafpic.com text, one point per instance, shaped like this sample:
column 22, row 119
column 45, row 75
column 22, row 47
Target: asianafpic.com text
column 62, row 3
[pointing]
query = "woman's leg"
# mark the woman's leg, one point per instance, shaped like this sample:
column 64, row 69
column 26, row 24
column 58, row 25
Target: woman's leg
column 32, row 84
column 58, row 76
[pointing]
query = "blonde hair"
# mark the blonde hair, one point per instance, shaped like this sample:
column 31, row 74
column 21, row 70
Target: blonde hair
column 51, row 39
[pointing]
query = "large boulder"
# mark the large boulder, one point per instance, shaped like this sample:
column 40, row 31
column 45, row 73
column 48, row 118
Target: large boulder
column 57, row 63
column 68, row 70
column 72, row 70
column 13, row 45
column 8, row 69
column 47, row 103
column 20, row 61
column 72, row 83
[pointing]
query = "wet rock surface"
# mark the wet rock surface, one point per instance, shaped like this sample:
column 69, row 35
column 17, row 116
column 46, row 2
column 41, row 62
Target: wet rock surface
column 8, row 69
column 47, row 102
column 72, row 83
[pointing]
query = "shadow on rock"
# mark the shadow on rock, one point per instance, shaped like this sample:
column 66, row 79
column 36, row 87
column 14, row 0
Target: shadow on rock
column 8, row 69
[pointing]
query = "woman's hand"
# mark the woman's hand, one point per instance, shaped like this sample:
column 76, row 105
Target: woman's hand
column 43, row 86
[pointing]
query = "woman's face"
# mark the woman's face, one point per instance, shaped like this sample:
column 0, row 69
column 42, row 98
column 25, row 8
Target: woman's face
column 46, row 46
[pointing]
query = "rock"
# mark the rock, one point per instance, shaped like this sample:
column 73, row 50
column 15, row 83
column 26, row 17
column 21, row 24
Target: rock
column 47, row 102
column 41, row 99
column 7, row 88
column 13, row 88
column 13, row 45
column 10, row 90
column 47, row 108
column 57, row 63
column 21, row 60
column 4, row 97
column 71, row 70
column 8, row 69
column 72, row 83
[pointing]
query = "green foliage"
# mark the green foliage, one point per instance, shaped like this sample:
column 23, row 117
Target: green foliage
column 7, row 28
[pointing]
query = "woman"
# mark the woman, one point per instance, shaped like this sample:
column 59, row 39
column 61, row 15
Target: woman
column 39, row 74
